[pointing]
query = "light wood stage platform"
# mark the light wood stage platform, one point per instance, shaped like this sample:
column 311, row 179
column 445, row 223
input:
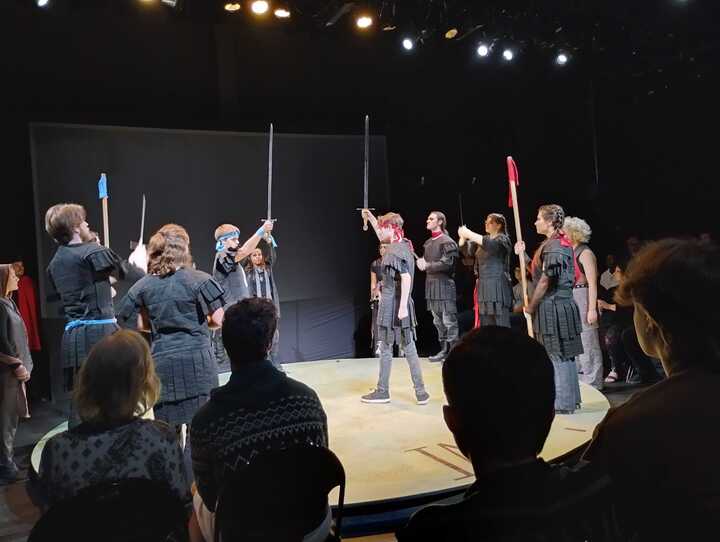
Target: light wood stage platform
column 400, row 450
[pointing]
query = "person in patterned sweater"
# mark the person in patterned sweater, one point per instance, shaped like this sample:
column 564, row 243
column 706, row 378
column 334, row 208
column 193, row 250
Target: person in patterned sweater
column 259, row 409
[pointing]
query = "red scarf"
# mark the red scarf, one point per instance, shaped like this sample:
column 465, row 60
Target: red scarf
column 436, row 234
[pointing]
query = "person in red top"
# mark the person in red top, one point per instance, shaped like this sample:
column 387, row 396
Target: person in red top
column 27, row 302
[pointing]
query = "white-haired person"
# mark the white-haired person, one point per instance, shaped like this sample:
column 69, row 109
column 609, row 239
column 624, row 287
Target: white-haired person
column 585, row 290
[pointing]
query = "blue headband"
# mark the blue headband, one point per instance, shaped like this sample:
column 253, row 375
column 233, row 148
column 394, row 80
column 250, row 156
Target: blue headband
column 221, row 240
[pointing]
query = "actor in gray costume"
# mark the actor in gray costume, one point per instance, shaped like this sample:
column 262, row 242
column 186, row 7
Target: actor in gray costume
column 228, row 272
column 556, row 318
column 440, row 253
column 396, row 320
column 492, row 268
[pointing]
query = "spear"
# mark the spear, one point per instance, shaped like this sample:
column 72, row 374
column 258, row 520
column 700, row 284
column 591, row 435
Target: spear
column 103, row 196
column 514, row 181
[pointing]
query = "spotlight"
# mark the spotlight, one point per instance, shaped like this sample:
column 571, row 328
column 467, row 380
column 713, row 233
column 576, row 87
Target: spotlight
column 42, row 3
column 172, row 3
column 561, row 59
column 233, row 6
column 364, row 21
column 508, row 54
column 451, row 33
column 260, row 7
column 408, row 44
column 282, row 13
column 483, row 50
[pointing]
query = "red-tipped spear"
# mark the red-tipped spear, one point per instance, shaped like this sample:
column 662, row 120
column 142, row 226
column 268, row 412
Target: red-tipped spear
column 514, row 181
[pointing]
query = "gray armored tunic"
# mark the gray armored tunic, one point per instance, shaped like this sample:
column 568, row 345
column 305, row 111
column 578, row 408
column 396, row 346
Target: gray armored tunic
column 177, row 306
column 557, row 319
column 398, row 259
column 440, row 253
column 231, row 276
column 80, row 273
column 492, row 267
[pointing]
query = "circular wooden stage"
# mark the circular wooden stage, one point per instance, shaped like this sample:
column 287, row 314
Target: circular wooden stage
column 400, row 450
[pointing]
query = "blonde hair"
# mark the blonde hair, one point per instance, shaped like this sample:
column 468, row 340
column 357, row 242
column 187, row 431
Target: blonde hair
column 577, row 229
column 224, row 229
column 393, row 219
column 62, row 219
column 118, row 379
column 168, row 250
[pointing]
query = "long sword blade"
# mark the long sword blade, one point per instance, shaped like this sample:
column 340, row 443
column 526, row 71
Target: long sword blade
column 462, row 220
column 142, row 221
column 366, row 162
column 270, row 165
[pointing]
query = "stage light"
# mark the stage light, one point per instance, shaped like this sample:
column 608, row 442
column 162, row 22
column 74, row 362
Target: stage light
column 483, row 50
column 232, row 7
column 42, row 3
column 171, row 3
column 561, row 59
column 408, row 44
column 451, row 33
column 282, row 13
column 364, row 22
column 508, row 54
column 260, row 7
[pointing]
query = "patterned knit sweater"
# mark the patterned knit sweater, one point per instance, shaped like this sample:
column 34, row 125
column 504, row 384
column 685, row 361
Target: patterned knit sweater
column 259, row 409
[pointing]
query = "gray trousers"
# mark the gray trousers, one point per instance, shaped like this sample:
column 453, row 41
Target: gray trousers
column 446, row 324
column 413, row 360
column 590, row 362
column 8, row 413
column 567, row 385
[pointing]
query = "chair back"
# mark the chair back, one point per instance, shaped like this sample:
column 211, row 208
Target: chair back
column 130, row 510
column 281, row 495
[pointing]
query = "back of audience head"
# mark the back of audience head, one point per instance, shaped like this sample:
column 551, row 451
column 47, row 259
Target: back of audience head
column 674, row 286
column 117, row 381
column 487, row 366
column 248, row 329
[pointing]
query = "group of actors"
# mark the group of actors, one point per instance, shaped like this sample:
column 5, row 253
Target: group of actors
column 181, row 307
column 562, row 304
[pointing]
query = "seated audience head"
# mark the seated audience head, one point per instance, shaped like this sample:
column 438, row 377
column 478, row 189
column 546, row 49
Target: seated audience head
column 674, row 286
column 64, row 220
column 248, row 330
column 488, row 365
column 168, row 250
column 577, row 230
column 117, row 381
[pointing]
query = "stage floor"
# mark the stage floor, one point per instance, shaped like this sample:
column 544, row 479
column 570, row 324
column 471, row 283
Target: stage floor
column 401, row 449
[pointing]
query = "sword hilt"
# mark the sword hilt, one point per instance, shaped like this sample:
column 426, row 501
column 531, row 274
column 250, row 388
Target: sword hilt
column 365, row 220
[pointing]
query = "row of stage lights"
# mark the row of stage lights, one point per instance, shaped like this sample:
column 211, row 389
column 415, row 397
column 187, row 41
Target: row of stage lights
column 485, row 50
column 257, row 7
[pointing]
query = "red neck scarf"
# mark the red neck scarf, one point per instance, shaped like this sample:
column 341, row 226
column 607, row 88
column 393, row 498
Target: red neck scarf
column 436, row 234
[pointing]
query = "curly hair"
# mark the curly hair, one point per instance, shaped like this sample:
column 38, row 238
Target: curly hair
column 393, row 219
column 168, row 250
column 553, row 213
column 577, row 229
column 62, row 219
column 661, row 278
column 118, row 379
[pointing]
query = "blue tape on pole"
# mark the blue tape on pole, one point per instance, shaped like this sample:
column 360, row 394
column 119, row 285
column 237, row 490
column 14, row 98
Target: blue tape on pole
column 102, row 187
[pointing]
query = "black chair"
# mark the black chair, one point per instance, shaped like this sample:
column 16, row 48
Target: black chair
column 130, row 510
column 280, row 496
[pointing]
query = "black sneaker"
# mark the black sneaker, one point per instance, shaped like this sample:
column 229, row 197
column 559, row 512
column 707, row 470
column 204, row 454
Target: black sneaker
column 376, row 396
column 422, row 398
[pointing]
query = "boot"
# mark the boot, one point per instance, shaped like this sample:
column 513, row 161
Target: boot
column 440, row 356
